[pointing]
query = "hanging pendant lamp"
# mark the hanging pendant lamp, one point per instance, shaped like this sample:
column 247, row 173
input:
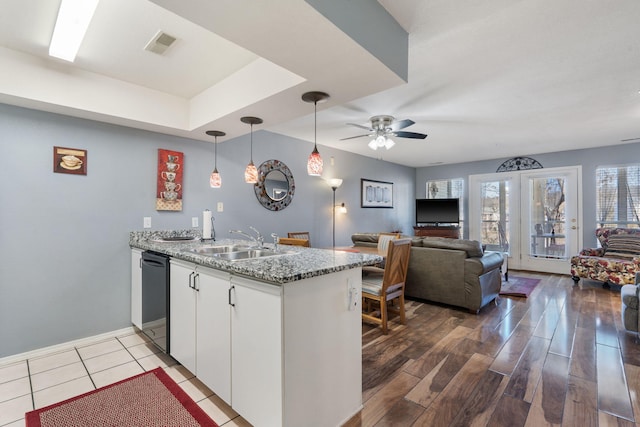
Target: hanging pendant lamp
column 215, row 181
column 314, row 163
column 251, row 172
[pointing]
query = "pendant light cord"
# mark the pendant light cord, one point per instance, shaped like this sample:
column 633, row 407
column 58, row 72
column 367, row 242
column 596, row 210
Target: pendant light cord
column 315, row 125
column 251, row 143
column 215, row 153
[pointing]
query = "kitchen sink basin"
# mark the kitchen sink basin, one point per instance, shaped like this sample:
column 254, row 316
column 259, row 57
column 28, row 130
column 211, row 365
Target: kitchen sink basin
column 218, row 249
column 250, row 254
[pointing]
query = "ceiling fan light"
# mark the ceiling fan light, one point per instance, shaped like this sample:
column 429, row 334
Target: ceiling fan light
column 215, row 181
column 381, row 141
column 314, row 163
column 389, row 143
column 251, row 174
column 373, row 145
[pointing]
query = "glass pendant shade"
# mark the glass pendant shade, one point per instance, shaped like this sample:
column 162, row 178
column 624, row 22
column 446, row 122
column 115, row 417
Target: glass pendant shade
column 251, row 174
column 215, row 181
column 314, row 163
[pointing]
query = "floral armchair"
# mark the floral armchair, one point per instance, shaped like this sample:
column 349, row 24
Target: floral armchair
column 617, row 260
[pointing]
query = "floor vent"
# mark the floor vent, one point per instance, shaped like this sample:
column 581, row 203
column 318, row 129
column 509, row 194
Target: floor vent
column 160, row 43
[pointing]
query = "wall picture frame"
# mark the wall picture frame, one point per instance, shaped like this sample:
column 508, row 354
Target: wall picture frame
column 69, row 160
column 169, row 180
column 376, row 194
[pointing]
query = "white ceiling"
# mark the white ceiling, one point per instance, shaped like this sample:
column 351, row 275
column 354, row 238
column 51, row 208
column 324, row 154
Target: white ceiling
column 488, row 79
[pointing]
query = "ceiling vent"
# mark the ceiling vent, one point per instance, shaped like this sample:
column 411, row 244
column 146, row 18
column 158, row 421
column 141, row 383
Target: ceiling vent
column 160, row 43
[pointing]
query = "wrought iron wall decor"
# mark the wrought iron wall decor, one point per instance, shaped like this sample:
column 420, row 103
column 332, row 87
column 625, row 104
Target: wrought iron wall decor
column 519, row 164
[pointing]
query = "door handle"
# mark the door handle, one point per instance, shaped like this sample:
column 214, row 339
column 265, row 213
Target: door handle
column 195, row 284
column 190, row 278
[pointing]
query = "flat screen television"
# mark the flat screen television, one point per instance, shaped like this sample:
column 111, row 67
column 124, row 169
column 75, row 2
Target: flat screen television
column 437, row 211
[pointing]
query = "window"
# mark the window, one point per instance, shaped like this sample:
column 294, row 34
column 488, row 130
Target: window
column 448, row 189
column 445, row 189
column 618, row 196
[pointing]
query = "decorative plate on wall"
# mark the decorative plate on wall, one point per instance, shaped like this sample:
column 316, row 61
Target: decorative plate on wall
column 519, row 164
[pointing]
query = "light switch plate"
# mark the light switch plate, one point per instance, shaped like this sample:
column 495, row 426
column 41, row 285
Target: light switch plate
column 194, row 221
column 147, row 222
column 220, row 207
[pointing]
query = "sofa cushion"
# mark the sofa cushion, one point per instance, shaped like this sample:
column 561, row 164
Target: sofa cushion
column 625, row 246
column 473, row 248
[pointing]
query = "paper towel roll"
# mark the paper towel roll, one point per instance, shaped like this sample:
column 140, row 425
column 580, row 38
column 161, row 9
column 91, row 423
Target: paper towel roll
column 206, row 224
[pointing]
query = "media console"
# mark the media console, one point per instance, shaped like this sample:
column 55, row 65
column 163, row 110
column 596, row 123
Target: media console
column 449, row 231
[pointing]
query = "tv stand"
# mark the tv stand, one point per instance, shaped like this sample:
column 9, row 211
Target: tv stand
column 448, row 231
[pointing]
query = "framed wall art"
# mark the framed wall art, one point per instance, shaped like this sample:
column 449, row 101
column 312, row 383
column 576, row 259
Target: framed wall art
column 376, row 194
column 70, row 160
column 169, row 180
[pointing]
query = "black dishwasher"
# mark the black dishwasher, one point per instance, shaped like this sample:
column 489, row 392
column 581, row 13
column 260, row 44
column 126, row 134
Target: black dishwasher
column 155, row 298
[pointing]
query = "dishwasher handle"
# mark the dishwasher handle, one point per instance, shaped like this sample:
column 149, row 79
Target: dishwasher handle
column 151, row 263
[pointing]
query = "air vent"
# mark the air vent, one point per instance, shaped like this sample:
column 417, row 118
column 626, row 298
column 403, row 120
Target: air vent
column 160, row 43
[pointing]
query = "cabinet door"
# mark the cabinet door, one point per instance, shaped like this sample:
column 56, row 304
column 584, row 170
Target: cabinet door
column 183, row 316
column 213, row 332
column 136, row 288
column 256, row 352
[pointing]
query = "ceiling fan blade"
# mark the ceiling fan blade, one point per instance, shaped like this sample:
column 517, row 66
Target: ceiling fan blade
column 352, row 137
column 630, row 139
column 360, row 126
column 414, row 135
column 401, row 124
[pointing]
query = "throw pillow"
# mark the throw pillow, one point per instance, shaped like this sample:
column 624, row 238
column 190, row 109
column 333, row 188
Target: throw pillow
column 625, row 246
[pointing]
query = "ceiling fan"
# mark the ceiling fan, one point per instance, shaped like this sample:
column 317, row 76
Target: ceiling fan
column 383, row 128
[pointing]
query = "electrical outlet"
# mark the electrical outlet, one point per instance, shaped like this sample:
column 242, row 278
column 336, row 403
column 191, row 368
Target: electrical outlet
column 194, row 221
column 220, row 207
column 147, row 222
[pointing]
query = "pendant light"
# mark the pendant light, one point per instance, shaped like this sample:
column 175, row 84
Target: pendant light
column 251, row 172
column 215, row 181
column 314, row 163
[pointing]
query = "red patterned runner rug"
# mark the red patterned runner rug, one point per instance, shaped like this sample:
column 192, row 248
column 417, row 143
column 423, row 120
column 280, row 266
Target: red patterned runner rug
column 518, row 286
column 145, row 400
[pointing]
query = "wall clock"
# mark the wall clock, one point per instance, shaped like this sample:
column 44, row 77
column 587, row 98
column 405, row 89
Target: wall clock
column 519, row 164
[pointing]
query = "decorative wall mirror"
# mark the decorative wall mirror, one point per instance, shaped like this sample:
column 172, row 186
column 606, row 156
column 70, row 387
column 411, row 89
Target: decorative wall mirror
column 275, row 186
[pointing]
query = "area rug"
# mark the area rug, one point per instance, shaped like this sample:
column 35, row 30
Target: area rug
column 145, row 400
column 518, row 286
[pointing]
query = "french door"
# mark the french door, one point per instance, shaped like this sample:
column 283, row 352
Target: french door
column 533, row 216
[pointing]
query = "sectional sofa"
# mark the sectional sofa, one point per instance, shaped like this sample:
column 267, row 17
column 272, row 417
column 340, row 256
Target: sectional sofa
column 449, row 271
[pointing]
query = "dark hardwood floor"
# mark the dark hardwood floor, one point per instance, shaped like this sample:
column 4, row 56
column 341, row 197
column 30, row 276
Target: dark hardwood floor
column 560, row 357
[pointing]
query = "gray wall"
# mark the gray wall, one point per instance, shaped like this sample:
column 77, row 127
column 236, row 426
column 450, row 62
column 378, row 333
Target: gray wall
column 590, row 159
column 64, row 238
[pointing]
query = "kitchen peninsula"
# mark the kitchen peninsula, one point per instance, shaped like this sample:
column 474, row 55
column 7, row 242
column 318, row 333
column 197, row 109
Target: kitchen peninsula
column 278, row 338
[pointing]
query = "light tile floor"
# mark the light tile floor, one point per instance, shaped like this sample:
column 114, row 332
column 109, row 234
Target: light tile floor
column 33, row 383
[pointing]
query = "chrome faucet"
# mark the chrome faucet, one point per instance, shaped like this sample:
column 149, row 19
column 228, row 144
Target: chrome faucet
column 276, row 240
column 258, row 240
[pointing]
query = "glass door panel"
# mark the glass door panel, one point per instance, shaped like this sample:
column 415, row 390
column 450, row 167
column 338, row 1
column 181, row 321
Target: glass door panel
column 549, row 218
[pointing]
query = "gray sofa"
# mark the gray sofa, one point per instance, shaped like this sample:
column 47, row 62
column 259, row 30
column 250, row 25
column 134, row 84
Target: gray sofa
column 450, row 271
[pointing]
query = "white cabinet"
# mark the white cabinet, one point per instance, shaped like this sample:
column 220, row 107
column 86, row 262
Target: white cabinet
column 256, row 349
column 200, row 325
column 274, row 353
column 136, row 288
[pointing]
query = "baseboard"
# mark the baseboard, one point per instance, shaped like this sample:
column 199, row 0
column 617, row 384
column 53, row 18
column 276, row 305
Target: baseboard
column 66, row 346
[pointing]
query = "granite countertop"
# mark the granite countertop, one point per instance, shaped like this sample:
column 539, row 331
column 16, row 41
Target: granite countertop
column 300, row 263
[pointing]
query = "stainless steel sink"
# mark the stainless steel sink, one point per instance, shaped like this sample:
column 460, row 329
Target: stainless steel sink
column 250, row 254
column 218, row 249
